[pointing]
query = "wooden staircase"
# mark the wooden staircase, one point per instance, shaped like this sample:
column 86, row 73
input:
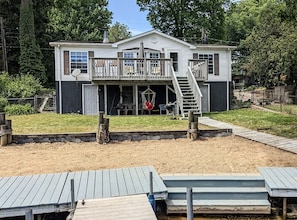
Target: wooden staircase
column 189, row 101
column 218, row 194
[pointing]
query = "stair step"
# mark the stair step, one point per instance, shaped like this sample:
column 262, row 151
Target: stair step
column 221, row 206
column 219, row 193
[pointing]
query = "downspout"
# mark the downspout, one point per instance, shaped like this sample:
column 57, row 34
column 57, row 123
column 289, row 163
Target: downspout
column 60, row 80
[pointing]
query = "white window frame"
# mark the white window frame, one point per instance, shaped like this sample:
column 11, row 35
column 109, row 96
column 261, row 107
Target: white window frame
column 210, row 59
column 79, row 60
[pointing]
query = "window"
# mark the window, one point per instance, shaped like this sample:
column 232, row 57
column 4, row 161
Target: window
column 155, row 62
column 209, row 58
column 174, row 57
column 128, row 62
column 79, row 60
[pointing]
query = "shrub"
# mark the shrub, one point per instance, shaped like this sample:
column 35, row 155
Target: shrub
column 18, row 109
column 19, row 86
column 3, row 104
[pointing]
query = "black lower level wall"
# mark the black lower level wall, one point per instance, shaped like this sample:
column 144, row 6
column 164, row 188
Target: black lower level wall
column 116, row 136
column 71, row 96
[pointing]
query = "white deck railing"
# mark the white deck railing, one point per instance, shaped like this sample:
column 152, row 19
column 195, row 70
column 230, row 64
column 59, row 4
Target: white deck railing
column 195, row 88
column 129, row 69
column 178, row 92
column 199, row 68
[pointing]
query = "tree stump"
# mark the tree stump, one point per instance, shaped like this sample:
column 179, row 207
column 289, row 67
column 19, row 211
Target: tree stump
column 102, row 135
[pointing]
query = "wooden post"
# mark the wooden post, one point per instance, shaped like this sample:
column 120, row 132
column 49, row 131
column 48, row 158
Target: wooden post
column 102, row 135
column 3, row 135
column 9, row 135
column 192, row 126
column 284, row 208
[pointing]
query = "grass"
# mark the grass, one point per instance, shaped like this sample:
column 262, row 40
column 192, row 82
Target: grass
column 287, row 109
column 278, row 124
column 57, row 123
column 273, row 123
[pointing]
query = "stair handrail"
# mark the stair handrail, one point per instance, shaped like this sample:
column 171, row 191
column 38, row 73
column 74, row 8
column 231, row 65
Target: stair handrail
column 195, row 87
column 177, row 89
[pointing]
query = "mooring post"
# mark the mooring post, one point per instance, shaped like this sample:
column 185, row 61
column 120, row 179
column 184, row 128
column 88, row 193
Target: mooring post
column 190, row 215
column 72, row 194
column 151, row 194
column 29, row 215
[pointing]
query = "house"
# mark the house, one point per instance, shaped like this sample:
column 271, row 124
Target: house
column 142, row 74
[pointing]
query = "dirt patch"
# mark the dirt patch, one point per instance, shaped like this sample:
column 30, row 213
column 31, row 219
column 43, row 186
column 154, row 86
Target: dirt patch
column 213, row 155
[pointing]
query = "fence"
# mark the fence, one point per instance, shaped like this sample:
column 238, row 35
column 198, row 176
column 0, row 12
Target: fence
column 40, row 103
column 267, row 96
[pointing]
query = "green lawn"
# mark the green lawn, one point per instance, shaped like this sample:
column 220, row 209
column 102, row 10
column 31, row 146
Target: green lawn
column 57, row 123
column 287, row 109
column 274, row 123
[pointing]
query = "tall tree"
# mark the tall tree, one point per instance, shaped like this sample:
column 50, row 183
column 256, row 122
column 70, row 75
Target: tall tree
column 241, row 18
column 30, row 53
column 79, row 20
column 186, row 18
column 10, row 11
column 118, row 32
column 272, row 46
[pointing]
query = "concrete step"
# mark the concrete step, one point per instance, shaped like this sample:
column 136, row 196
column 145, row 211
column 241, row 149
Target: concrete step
column 219, row 193
column 221, row 206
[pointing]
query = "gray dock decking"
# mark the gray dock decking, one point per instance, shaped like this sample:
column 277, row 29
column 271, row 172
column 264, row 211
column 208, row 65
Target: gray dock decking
column 286, row 144
column 48, row 193
column 280, row 181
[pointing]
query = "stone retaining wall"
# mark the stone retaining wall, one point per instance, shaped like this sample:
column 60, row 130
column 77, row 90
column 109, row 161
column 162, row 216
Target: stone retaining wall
column 115, row 136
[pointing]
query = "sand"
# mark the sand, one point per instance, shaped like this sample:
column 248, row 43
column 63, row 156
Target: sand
column 204, row 156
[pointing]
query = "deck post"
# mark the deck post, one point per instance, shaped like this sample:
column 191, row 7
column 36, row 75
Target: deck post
column 189, row 204
column 29, row 215
column 284, row 208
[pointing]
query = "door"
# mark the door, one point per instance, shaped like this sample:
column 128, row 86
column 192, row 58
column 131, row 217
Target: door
column 90, row 100
column 175, row 56
column 205, row 97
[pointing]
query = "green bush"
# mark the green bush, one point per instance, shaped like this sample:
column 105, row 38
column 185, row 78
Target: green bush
column 3, row 104
column 19, row 86
column 18, row 109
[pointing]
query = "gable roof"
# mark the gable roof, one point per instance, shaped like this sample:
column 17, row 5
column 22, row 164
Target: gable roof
column 116, row 44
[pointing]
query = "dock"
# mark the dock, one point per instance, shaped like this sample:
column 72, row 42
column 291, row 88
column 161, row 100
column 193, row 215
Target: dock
column 50, row 193
column 136, row 207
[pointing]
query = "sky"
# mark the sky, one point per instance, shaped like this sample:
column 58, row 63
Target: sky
column 127, row 12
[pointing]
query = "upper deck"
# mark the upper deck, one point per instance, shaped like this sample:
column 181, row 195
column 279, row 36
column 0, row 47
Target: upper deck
column 140, row 69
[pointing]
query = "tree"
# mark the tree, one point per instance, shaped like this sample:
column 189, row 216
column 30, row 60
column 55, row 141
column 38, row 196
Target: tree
column 30, row 53
column 241, row 18
column 78, row 20
column 10, row 11
column 118, row 32
column 186, row 18
column 272, row 48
